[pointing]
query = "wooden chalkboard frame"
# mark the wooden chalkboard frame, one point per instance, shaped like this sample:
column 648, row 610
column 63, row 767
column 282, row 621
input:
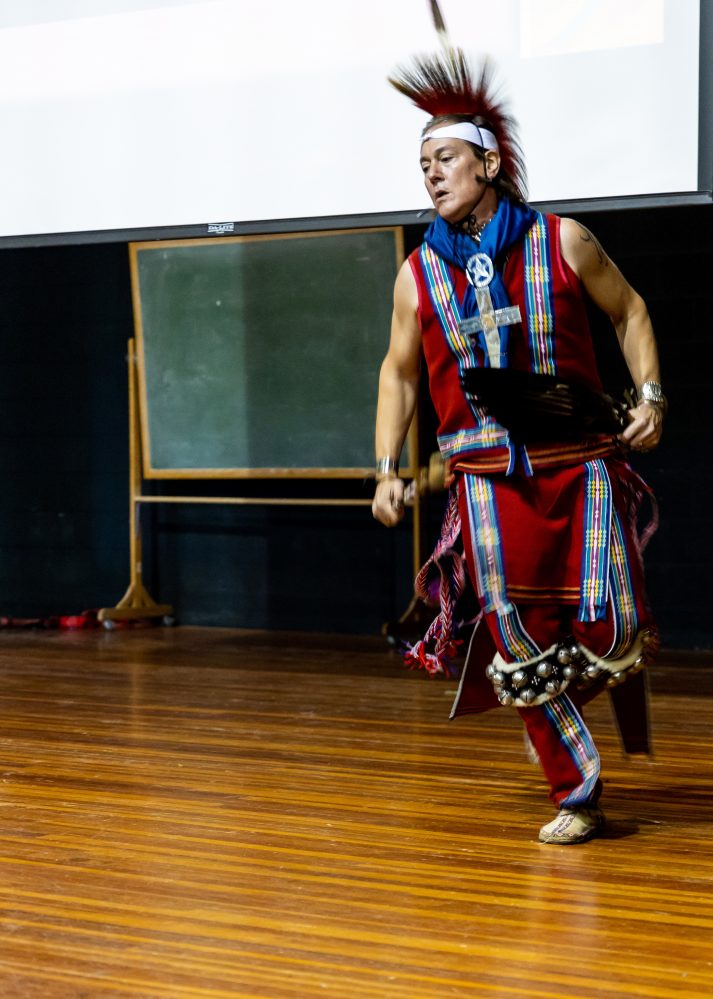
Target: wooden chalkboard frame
column 409, row 465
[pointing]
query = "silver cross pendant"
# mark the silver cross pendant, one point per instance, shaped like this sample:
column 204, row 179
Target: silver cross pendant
column 479, row 270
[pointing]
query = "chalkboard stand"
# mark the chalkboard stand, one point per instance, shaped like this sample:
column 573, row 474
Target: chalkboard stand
column 136, row 604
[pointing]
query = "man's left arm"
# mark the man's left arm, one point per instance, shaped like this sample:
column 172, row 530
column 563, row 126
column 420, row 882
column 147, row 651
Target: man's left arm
column 611, row 292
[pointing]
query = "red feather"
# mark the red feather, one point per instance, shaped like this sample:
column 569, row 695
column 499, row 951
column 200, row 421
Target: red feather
column 447, row 83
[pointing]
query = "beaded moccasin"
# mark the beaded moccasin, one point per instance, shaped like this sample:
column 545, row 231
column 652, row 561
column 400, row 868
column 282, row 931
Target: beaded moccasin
column 573, row 825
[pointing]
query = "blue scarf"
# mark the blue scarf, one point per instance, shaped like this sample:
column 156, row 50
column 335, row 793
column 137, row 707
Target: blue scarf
column 508, row 225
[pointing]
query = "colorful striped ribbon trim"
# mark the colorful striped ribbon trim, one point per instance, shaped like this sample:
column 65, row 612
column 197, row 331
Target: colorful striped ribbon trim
column 488, row 436
column 538, row 296
column 574, row 736
column 445, row 303
column 621, row 588
column 484, row 526
column 597, row 533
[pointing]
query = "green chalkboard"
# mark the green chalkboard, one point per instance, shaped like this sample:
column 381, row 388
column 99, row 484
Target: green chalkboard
column 260, row 355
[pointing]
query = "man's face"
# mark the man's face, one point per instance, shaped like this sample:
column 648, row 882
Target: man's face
column 450, row 172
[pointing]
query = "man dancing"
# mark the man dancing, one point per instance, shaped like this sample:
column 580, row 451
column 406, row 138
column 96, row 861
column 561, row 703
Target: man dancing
column 547, row 525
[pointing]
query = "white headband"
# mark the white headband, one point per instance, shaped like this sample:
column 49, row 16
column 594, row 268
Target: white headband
column 466, row 130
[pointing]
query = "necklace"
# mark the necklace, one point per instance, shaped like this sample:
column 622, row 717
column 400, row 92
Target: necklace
column 475, row 228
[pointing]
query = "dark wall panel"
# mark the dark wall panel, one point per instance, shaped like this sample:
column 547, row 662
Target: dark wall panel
column 668, row 256
column 313, row 569
column 64, row 323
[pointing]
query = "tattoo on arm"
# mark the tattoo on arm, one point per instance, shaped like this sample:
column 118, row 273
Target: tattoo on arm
column 587, row 237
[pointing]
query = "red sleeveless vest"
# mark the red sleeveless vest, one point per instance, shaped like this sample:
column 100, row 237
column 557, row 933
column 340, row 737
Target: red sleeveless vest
column 468, row 438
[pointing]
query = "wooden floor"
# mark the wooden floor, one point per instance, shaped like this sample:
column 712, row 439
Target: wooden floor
column 210, row 813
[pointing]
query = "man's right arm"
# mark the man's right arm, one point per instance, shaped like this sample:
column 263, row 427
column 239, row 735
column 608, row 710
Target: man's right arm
column 398, row 389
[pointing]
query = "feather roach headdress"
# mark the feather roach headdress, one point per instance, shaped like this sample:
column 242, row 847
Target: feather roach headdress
column 447, row 83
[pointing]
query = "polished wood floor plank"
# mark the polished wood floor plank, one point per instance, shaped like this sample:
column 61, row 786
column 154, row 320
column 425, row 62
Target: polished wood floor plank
column 209, row 813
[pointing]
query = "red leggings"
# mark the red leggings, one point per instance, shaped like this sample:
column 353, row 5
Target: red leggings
column 556, row 728
column 566, row 751
column 521, row 632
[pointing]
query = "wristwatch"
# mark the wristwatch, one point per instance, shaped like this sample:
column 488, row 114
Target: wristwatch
column 652, row 393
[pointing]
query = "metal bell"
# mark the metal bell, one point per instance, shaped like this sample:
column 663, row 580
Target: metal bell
column 505, row 698
column 552, row 687
column 615, row 680
column 592, row 671
column 528, row 696
column 497, row 678
column 544, row 669
column 574, row 651
column 569, row 672
column 490, row 670
column 519, row 678
column 563, row 656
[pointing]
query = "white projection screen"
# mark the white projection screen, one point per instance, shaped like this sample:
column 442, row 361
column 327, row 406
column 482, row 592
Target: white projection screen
column 122, row 116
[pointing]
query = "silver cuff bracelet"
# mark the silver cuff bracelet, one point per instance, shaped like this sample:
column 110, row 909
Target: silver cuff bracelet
column 387, row 466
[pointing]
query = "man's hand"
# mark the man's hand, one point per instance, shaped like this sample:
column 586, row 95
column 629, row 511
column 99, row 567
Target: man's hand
column 644, row 431
column 388, row 505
